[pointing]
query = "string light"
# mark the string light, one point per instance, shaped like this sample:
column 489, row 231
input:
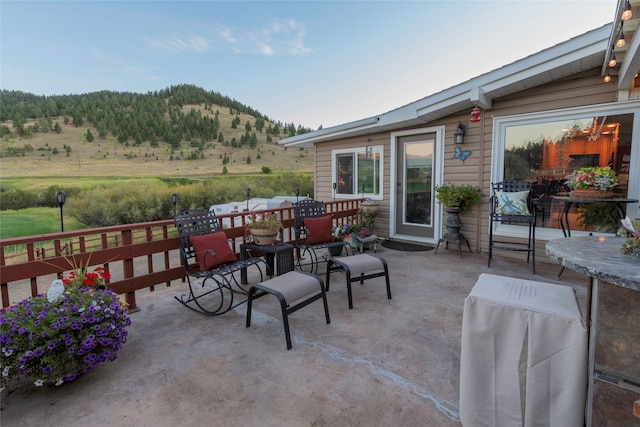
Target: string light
column 620, row 42
column 612, row 59
column 607, row 78
column 626, row 15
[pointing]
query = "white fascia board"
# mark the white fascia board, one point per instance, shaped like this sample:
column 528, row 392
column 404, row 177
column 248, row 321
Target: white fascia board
column 631, row 63
column 332, row 132
column 542, row 65
column 456, row 98
column 572, row 50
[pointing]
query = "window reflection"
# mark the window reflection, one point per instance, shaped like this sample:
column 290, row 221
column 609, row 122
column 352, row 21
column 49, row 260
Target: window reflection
column 359, row 171
column 547, row 152
column 418, row 171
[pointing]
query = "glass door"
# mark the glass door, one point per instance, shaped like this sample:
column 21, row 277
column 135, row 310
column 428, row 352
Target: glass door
column 414, row 195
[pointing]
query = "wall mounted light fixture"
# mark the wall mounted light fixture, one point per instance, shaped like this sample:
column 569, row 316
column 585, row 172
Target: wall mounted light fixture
column 458, row 136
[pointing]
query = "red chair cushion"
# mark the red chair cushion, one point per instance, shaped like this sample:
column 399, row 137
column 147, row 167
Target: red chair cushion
column 319, row 229
column 217, row 242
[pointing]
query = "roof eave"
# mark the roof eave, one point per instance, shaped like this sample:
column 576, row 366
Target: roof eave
column 574, row 55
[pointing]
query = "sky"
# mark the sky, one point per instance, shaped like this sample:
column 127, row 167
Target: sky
column 313, row 63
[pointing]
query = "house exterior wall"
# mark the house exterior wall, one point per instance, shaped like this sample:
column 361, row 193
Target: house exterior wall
column 582, row 89
column 323, row 180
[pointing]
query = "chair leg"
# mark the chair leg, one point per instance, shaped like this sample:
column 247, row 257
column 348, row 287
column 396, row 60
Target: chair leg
column 328, row 274
column 326, row 307
column 386, row 278
column 490, row 242
column 249, row 304
column 533, row 251
column 285, row 321
column 347, row 272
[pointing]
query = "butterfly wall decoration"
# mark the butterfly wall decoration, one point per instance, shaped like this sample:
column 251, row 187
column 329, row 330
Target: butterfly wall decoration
column 459, row 154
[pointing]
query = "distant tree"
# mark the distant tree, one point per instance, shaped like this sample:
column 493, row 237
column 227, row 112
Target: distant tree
column 266, row 169
column 57, row 127
column 259, row 124
column 220, row 137
column 225, row 170
column 248, row 160
column 89, row 136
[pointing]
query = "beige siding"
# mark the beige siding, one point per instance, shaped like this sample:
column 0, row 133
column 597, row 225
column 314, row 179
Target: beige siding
column 584, row 89
column 324, row 180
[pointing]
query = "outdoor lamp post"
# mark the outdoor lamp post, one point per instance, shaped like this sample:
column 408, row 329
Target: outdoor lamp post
column 297, row 194
column 174, row 200
column 334, row 190
column 247, row 193
column 61, row 198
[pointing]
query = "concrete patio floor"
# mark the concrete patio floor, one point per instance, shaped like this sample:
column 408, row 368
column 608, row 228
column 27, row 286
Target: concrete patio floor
column 384, row 363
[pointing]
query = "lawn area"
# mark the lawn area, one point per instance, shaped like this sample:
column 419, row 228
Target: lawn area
column 33, row 221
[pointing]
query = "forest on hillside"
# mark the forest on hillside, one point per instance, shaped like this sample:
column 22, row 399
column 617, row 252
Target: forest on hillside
column 156, row 117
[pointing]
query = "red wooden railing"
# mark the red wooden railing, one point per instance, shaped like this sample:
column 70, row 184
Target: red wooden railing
column 138, row 256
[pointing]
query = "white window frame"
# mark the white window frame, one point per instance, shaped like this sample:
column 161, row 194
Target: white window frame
column 497, row 162
column 355, row 151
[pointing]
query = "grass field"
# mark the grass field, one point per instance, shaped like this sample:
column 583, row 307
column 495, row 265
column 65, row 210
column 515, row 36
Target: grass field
column 33, row 221
column 64, row 160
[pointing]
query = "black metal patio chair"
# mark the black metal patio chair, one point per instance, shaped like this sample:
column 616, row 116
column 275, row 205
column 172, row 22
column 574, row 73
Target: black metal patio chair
column 512, row 202
column 313, row 231
column 207, row 257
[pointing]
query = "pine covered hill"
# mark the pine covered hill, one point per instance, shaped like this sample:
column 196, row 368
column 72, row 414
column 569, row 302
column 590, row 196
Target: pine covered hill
column 179, row 131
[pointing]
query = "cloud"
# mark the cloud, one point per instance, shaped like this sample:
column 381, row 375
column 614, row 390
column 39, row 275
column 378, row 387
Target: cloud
column 177, row 43
column 224, row 33
column 284, row 37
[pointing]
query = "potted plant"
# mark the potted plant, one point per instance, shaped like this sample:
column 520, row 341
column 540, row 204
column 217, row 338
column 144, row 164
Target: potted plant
column 371, row 207
column 264, row 230
column 456, row 199
column 630, row 230
column 339, row 233
column 56, row 337
column 603, row 217
column 593, row 182
column 462, row 197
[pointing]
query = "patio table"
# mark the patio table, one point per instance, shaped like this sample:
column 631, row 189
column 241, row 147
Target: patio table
column 281, row 252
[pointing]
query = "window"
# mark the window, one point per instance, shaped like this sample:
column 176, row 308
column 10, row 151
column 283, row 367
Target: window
column 358, row 171
column 546, row 148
